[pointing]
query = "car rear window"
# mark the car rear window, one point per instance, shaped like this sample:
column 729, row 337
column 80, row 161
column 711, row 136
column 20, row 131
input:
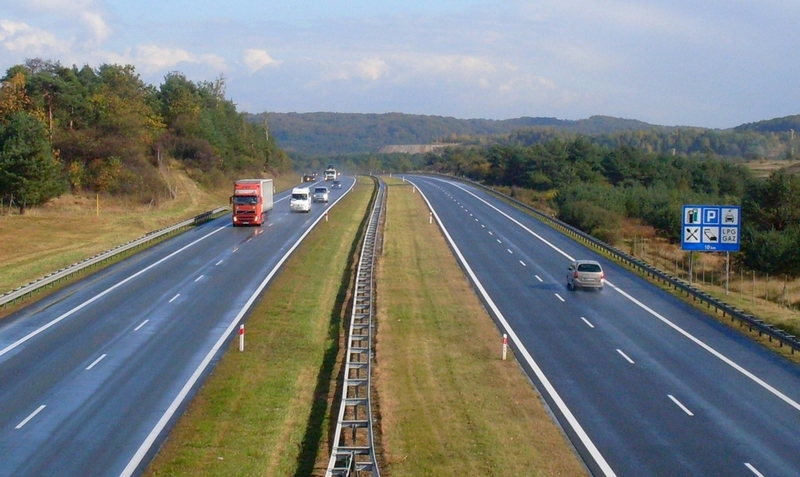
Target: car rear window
column 589, row 267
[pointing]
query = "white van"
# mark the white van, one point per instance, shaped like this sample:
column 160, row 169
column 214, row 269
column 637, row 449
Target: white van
column 301, row 200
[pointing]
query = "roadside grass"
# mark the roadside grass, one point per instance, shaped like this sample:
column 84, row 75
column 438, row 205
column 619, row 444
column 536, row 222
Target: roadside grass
column 267, row 411
column 449, row 405
column 68, row 229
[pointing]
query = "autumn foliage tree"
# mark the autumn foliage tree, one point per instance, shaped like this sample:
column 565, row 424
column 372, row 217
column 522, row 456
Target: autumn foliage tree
column 106, row 131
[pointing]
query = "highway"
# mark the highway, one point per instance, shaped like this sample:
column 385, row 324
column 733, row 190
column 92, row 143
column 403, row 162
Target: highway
column 93, row 376
column 643, row 384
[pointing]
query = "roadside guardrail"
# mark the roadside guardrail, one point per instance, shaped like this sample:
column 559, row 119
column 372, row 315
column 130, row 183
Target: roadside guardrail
column 36, row 285
column 653, row 273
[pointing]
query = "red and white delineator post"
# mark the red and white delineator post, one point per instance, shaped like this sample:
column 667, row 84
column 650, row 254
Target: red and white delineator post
column 241, row 337
column 505, row 346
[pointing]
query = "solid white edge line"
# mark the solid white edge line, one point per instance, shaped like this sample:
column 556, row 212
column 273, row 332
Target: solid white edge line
column 678, row 403
column 30, row 416
column 711, row 350
column 548, row 387
column 622, row 353
column 753, row 469
column 173, row 407
column 100, row 295
column 587, row 322
column 677, row 328
column 94, row 363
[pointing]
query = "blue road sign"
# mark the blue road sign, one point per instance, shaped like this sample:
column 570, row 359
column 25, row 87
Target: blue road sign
column 711, row 228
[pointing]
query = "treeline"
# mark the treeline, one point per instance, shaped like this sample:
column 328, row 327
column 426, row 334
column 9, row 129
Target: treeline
column 595, row 187
column 104, row 130
column 330, row 134
column 346, row 133
column 744, row 143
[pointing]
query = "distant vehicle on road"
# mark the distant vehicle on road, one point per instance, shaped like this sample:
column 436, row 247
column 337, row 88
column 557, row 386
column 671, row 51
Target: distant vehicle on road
column 301, row 200
column 336, row 185
column 320, row 194
column 330, row 173
column 585, row 274
column 251, row 201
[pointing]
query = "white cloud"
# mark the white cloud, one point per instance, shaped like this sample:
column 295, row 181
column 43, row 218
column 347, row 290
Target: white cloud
column 372, row 68
column 257, row 59
column 22, row 38
column 152, row 57
column 99, row 29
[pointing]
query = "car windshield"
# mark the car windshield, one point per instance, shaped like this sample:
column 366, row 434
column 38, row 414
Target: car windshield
column 320, row 191
column 299, row 196
column 589, row 267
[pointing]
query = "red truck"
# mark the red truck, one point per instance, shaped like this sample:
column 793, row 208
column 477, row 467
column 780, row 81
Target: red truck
column 251, row 201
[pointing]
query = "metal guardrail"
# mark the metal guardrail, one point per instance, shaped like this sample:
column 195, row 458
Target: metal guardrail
column 34, row 286
column 728, row 310
column 353, row 450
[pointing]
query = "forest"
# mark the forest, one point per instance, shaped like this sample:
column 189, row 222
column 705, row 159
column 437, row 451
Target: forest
column 103, row 130
column 595, row 187
column 331, row 134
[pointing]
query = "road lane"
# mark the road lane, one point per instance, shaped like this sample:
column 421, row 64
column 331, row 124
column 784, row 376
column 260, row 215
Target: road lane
column 626, row 408
column 155, row 319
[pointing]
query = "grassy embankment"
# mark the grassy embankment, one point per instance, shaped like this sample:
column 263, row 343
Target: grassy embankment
column 449, row 405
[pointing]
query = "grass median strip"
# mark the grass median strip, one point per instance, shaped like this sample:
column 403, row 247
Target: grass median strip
column 449, row 405
column 266, row 411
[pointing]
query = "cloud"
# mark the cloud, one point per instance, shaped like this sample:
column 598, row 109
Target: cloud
column 257, row 59
column 372, row 68
column 98, row 27
column 153, row 59
column 22, row 38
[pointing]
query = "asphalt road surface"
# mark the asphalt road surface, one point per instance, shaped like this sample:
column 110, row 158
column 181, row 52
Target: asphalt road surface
column 93, row 376
column 643, row 384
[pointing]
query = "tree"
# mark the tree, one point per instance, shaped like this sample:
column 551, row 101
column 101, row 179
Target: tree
column 29, row 172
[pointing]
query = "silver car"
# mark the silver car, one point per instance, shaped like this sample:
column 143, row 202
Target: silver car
column 585, row 274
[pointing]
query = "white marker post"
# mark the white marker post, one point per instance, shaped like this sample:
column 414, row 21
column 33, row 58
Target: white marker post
column 505, row 346
column 430, row 218
column 241, row 337
column 326, row 216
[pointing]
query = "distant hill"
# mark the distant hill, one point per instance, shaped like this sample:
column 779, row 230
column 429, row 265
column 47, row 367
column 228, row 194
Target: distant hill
column 349, row 133
column 784, row 124
column 306, row 135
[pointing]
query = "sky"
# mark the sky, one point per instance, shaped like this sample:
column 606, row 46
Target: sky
column 705, row 63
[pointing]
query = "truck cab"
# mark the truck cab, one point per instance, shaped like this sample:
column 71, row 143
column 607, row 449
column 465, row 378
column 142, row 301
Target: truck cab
column 301, row 200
